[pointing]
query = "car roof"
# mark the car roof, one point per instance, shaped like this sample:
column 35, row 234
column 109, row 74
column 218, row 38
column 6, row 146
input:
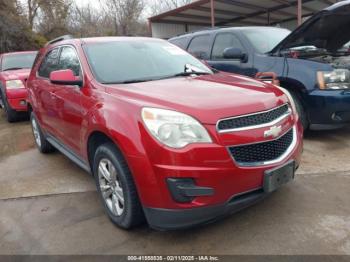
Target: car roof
column 105, row 40
column 224, row 29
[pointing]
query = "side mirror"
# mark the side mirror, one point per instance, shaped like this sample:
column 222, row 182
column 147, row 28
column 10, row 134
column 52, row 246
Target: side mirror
column 65, row 77
column 235, row 53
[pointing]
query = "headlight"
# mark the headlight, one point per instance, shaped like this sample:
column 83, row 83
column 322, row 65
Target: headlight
column 335, row 80
column 174, row 129
column 14, row 84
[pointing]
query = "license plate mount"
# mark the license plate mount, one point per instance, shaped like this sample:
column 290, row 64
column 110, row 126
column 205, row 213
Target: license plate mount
column 275, row 178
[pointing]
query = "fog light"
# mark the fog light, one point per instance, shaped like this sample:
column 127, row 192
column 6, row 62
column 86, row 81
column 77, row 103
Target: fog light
column 184, row 190
column 23, row 102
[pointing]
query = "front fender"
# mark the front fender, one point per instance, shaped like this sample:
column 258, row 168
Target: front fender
column 124, row 129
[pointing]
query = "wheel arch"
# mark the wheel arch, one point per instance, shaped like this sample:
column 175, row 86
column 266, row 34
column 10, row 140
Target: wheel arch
column 95, row 139
column 296, row 87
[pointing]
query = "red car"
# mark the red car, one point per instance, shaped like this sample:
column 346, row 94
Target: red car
column 14, row 71
column 165, row 137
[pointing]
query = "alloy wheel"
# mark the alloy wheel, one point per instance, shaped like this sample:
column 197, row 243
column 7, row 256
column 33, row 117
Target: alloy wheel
column 110, row 186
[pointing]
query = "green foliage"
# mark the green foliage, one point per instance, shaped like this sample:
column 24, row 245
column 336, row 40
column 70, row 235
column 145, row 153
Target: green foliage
column 15, row 34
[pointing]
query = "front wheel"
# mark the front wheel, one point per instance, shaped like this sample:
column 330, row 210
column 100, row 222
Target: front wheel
column 116, row 187
column 11, row 115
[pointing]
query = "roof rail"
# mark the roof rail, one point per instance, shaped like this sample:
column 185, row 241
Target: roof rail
column 59, row 39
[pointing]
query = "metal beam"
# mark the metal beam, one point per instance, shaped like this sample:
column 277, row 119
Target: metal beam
column 230, row 13
column 273, row 9
column 178, row 10
column 196, row 17
column 167, row 21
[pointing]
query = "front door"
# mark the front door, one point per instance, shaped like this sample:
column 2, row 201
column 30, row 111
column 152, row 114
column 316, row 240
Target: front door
column 217, row 61
column 69, row 102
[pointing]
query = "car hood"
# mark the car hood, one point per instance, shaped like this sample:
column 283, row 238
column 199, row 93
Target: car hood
column 21, row 74
column 328, row 29
column 207, row 98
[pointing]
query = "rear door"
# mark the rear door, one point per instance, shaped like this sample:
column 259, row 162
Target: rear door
column 44, row 91
column 230, row 40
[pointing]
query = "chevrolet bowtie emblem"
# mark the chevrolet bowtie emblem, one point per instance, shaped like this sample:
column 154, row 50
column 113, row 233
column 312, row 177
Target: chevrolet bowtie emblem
column 274, row 131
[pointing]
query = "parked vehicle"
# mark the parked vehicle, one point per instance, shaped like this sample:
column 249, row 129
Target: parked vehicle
column 312, row 62
column 14, row 71
column 164, row 136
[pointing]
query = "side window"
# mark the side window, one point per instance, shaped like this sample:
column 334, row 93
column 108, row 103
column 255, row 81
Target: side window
column 223, row 41
column 69, row 60
column 49, row 63
column 200, row 47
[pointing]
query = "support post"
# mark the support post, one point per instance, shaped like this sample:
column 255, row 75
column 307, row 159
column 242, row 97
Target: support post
column 212, row 13
column 300, row 10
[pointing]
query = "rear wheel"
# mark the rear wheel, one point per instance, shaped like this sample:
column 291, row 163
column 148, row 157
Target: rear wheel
column 43, row 145
column 116, row 187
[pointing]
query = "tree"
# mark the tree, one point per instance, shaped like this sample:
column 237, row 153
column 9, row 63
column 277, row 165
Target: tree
column 85, row 21
column 15, row 35
column 125, row 14
column 53, row 18
column 33, row 9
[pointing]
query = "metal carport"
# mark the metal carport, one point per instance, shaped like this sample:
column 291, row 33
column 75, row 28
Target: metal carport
column 222, row 13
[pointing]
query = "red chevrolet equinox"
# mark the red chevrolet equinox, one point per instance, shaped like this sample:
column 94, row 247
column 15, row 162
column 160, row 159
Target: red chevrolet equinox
column 166, row 138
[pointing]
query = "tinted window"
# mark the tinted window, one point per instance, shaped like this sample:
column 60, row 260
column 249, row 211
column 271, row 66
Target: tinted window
column 223, row 41
column 49, row 63
column 69, row 60
column 200, row 47
column 264, row 40
column 132, row 61
column 18, row 61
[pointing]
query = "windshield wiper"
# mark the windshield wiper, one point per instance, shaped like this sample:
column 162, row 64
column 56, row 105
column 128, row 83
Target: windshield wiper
column 13, row 68
column 190, row 70
column 191, row 73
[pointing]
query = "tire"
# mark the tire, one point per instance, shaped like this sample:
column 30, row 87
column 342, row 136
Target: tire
column 43, row 145
column 116, row 187
column 300, row 110
column 11, row 115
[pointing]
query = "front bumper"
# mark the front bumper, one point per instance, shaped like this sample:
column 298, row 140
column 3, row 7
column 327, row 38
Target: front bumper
column 170, row 219
column 17, row 99
column 328, row 109
column 217, row 177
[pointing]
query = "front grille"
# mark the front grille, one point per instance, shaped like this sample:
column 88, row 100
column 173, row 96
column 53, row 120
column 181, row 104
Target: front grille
column 262, row 152
column 253, row 119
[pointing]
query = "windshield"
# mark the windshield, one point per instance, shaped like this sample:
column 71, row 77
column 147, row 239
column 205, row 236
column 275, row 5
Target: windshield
column 133, row 61
column 18, row 61
column 265, row 39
